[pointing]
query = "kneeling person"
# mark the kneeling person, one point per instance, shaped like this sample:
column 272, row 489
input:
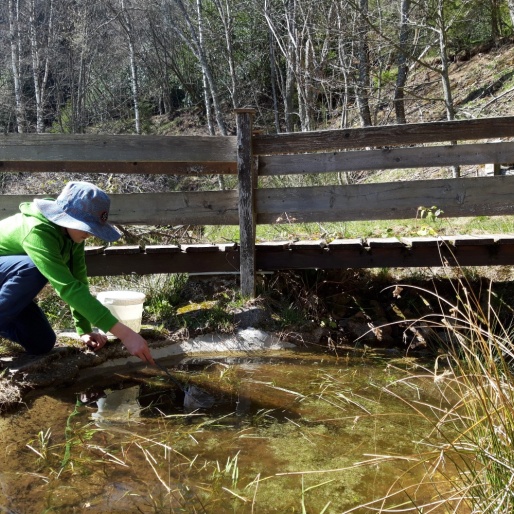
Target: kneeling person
column 43, row 243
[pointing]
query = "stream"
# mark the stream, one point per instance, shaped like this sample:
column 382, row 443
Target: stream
column 288, row 431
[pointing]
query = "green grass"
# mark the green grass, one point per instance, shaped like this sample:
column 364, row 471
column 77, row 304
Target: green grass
column 363, row 229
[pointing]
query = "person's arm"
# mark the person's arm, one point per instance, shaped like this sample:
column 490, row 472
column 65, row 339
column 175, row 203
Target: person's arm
column 133, row 342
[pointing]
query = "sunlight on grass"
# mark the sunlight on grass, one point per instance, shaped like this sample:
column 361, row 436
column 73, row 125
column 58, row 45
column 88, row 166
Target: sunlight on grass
column 364, row 229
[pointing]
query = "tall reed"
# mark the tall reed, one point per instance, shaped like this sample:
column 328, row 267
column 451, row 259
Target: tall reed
column 468, row 457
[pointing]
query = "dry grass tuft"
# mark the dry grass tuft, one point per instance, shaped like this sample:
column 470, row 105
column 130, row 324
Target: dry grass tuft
column 11, row 394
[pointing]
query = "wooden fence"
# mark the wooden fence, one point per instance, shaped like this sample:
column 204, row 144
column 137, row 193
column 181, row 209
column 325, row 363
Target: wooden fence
column 251, row 156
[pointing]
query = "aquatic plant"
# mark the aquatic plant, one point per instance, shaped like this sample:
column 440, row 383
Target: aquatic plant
column 40, row 446
column 468, row 460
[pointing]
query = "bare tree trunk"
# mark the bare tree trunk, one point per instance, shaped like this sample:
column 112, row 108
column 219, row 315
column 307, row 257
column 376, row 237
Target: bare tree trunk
column 343, row 68
column 81, row 50
column 207, row 103
column 401, row 78
column 14, row 39
column 445, row 67
column 363, row 82
column 290, row 57
column 40, row 71
column 165, row 53
column 273, row 82
column 227, row 20
column 134, row 82
column 445, row 74
column 302, row 86
column 195, row 44
column 78, row 123
column 134, row 79
column 305, row 77
column 207, row 86
column 125, row 21
column 288, row 51
column 205, row 83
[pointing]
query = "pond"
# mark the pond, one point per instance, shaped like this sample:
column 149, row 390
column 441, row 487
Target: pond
column 279, row 432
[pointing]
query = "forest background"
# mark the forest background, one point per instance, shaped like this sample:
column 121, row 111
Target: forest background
column 113, row 66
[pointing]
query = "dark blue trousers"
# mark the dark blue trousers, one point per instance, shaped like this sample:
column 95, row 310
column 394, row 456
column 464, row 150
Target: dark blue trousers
column 21, row 319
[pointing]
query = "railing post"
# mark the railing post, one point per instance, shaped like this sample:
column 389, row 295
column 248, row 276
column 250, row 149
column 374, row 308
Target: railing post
column 246, row 176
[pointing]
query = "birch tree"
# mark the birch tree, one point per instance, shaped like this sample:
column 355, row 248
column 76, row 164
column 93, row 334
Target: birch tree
column 124, row 17
column 225, row 14
column 192, row 35
column 363, row 77
column 402, row 62
column 40, row 49
column 283, row 29
column 16, row 53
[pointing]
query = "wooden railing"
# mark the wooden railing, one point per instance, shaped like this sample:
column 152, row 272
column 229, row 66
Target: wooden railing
column 251, row 156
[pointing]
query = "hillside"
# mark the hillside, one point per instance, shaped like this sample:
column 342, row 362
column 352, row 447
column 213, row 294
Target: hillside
column 482, row 86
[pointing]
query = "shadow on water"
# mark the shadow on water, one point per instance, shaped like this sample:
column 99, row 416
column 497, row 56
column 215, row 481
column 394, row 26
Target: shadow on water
column 273, row 433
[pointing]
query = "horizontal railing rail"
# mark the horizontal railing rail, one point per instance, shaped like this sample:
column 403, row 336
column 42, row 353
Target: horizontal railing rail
column 459, row 250
column 174, row 155
column 384, row 136
column 482, row 196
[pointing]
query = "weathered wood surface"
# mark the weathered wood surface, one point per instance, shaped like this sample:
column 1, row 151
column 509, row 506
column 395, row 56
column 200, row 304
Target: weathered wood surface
column 482, row 196
column 114, row 260
column 246, row 177
column 150, row 168
column 339, row 254
column 385, row 136
column 196, row 155
column 478, row 196
column 60, row 147
column 189, row 208
column 387, row 158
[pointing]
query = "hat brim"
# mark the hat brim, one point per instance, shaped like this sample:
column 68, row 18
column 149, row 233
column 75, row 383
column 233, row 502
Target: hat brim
column 51, row 211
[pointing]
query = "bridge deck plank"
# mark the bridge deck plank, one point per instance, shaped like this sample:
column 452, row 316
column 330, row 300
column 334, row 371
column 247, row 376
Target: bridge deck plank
column 407, row 253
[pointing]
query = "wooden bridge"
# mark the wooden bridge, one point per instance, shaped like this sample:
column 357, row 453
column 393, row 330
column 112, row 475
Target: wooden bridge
column 253, row 158
column 390, row 252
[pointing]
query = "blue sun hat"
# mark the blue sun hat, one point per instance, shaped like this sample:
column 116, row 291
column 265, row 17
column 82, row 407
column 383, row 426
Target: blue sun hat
column 81, row 206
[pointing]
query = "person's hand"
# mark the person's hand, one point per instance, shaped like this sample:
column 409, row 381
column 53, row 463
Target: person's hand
column 94, row 340
column 133, row 342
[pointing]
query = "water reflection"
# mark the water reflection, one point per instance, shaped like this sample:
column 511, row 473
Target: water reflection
column 122, row 405
column 149, row 400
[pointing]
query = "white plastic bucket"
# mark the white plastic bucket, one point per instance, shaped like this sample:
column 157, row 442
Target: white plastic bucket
column 126, row 306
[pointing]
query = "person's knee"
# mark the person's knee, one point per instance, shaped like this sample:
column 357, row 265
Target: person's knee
column 32, row 330
column 20, row 282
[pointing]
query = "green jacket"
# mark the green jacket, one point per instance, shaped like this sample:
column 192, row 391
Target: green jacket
column 59, row 259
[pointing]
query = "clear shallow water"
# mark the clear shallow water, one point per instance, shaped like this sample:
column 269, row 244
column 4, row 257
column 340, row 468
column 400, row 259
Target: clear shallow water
column 284, row 434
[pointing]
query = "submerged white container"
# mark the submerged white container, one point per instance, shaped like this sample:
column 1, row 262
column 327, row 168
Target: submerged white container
column 126, row 306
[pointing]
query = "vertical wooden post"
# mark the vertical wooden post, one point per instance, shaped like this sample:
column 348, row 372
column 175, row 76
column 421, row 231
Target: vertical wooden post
column 246, row 176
